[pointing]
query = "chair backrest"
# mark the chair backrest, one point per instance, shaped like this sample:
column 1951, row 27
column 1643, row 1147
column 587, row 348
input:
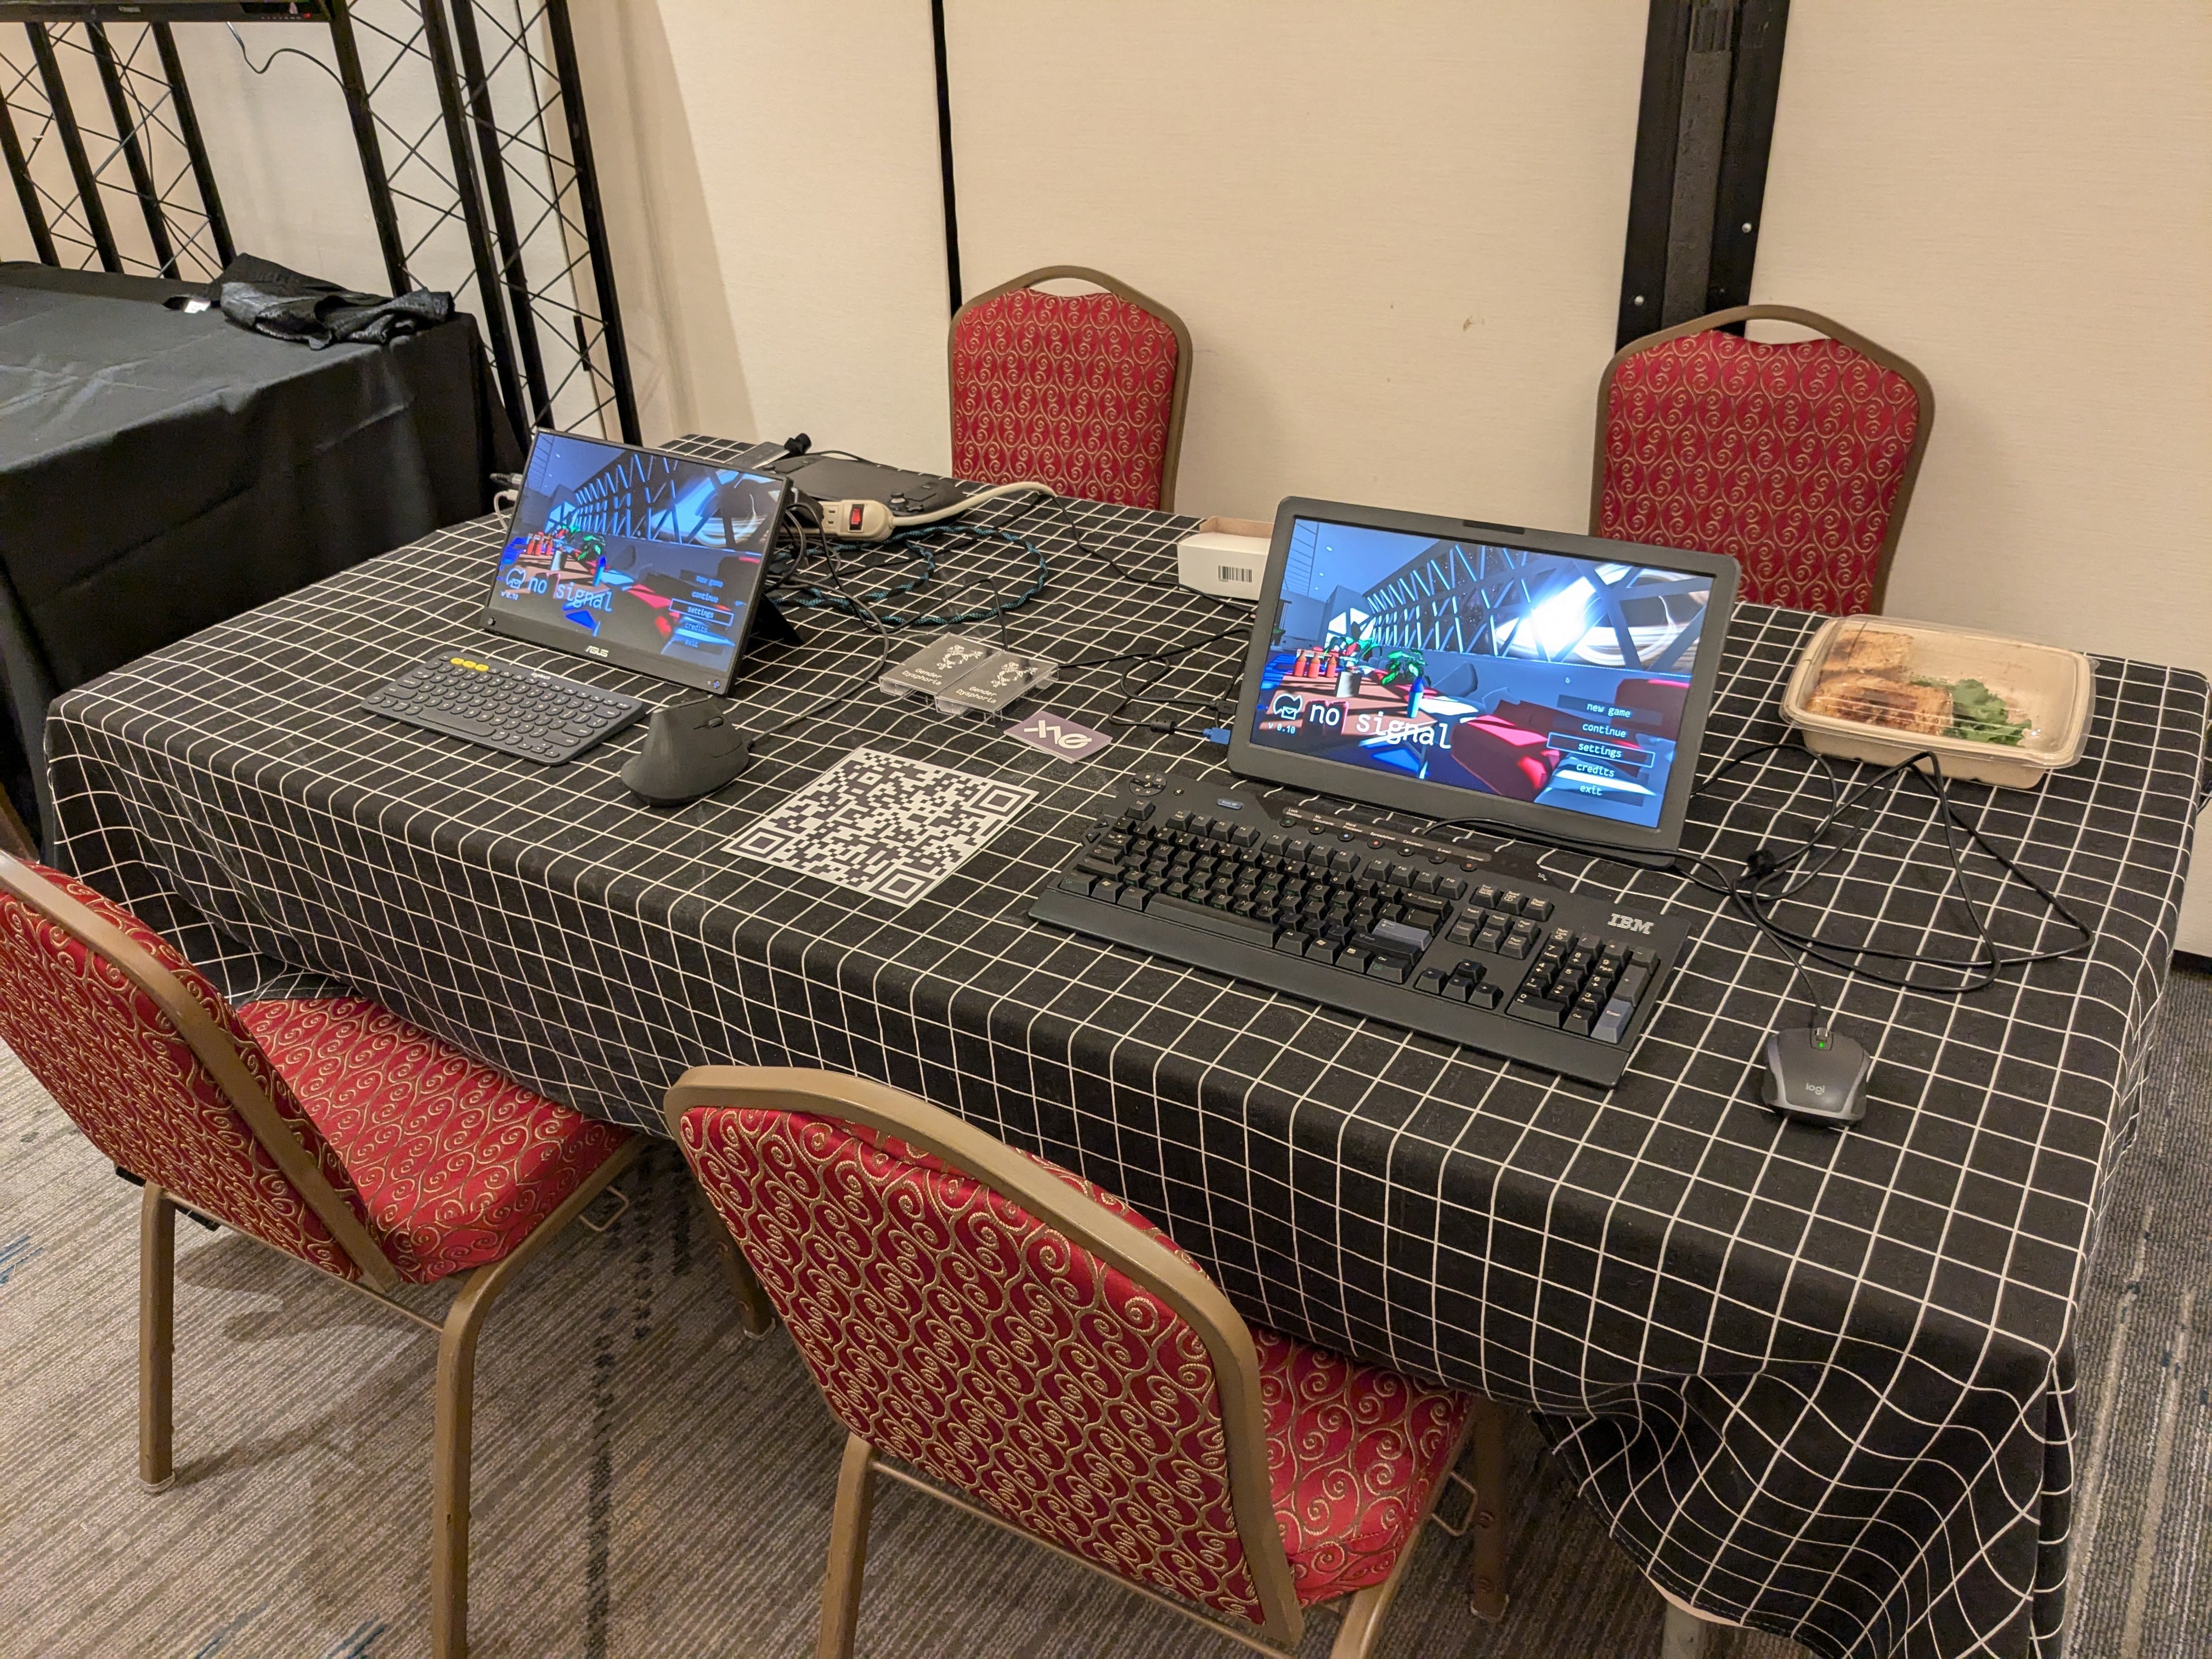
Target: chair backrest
column 1083, row 392
column 151, row 1062
column 1797, row 458
column 1010, row 1330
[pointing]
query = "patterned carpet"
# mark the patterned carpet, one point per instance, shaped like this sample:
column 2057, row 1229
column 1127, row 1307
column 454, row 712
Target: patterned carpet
column 649, row 1482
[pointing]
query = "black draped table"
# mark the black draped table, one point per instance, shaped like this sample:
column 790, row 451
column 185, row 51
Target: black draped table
column 1819, row 1382
column 162, row 469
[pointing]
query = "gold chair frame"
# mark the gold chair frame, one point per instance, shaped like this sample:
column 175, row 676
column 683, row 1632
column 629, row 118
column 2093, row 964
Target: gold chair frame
column 16, row 836
column 157, row 1214
column 1835, row 331
column 1172, row 460
column 1157, row 1269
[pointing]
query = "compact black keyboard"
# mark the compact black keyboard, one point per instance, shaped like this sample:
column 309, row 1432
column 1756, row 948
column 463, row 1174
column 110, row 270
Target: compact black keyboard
column 517, row 711
column 1434, row 936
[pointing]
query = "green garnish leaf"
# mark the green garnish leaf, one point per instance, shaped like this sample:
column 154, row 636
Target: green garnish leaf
column 1979, row 714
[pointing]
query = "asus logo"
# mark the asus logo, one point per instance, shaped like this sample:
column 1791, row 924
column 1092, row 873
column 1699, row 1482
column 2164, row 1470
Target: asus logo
column 1628, row 924
column 595, row 651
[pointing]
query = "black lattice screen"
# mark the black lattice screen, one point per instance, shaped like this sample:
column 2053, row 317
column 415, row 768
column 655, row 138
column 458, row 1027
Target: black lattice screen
column 468, row 118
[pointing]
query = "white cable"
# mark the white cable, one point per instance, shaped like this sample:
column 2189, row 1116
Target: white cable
column 975, row 500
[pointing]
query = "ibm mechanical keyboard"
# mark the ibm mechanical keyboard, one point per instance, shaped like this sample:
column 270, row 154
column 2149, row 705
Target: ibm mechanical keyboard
column 517, row 711
column 1430, row 935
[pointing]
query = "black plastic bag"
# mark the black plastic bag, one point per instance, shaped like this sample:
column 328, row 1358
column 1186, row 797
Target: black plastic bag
column 264, row 297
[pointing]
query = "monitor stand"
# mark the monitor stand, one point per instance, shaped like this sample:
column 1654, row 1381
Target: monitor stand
column 770, row 622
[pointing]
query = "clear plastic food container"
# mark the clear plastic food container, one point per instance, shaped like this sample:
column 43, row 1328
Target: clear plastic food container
column 1995, row 710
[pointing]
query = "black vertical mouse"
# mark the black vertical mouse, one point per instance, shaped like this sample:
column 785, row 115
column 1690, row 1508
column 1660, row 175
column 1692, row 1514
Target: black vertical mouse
column 1816, row 1076
column 690, row 750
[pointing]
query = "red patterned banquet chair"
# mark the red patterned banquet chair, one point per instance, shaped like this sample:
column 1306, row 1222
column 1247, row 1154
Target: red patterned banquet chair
column 1083, row 392
column 327, row 1130
column 1013, row 1341
column 1797, row 458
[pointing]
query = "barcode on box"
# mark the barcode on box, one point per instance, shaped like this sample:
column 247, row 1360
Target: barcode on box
column 1231, row 573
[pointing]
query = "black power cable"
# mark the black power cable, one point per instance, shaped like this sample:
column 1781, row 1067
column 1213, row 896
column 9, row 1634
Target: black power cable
column 784, row 576
column 1780, row 871
column 908, row 561
column 1058, row 504
column 1133, row 688
column 858, row 682
column 1777, row 871
column 916, row 547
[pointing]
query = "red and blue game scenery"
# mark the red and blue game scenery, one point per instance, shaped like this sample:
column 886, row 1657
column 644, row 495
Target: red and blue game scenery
column 649, row 552
column 1536, row 677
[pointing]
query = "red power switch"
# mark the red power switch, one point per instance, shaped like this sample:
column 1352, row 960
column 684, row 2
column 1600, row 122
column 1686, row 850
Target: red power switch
column 853, row 522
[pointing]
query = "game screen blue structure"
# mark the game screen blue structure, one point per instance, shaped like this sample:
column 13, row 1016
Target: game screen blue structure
column 1537, row 677
column 646, row 553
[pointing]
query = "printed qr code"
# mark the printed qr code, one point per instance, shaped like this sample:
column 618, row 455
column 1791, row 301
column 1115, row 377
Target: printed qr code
column 883, row 826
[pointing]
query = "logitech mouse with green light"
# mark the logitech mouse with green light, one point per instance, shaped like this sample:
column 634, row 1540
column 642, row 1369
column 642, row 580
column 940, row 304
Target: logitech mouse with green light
column 1817, row 1076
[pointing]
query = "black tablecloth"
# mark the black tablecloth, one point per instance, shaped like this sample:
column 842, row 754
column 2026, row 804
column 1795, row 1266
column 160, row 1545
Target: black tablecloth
column 1818, row 1380
column 162, row 469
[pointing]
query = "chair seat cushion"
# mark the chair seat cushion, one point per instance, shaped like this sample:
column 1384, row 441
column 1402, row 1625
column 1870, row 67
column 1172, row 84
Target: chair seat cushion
column 1353, row 1453
column 130, row 1080
column 455, row 1164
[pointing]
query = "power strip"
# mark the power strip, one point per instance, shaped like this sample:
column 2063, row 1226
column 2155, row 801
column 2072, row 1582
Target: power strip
column 858, row 521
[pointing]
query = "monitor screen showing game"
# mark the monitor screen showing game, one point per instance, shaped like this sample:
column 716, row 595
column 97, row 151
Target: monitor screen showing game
column 637, row 557
column 1528, row 683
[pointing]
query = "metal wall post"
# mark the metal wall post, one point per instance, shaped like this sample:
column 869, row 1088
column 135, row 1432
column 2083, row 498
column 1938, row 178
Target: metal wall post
column 944, row 153
column 1712, row 75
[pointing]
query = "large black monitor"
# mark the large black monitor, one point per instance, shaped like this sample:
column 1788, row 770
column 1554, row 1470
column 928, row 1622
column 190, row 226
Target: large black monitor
column 1463, row 670
column 635, row 557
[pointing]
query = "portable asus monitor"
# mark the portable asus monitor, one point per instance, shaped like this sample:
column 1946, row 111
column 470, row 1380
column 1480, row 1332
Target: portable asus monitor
column 636, row 557
column 1460, row 670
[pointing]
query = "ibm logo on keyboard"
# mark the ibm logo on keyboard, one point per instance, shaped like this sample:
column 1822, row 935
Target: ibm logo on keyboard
column 1628, row 924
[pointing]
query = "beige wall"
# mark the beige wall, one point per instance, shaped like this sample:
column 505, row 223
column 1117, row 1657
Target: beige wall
column 2020, row 200
column 813, row 164
column 1395, row 229
column 2017, row 195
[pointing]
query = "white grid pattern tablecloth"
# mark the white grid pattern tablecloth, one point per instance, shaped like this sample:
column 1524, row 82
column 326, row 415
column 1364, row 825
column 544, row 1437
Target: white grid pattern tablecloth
column 1819, row 1381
